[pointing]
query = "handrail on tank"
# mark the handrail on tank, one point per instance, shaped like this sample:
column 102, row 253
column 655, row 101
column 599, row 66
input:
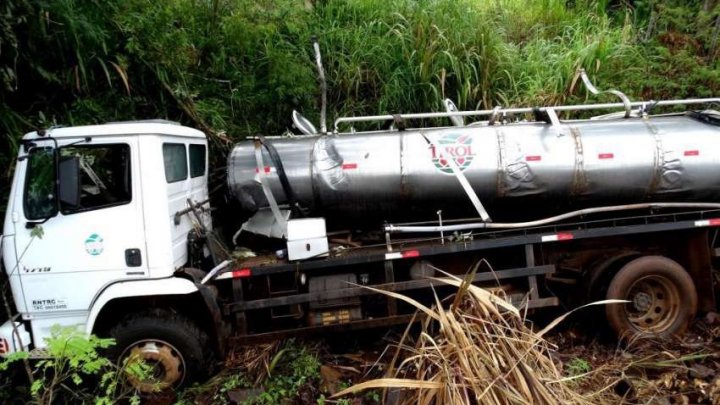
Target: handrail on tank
column 521, row 110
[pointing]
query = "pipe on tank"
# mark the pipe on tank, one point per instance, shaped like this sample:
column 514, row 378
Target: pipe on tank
column 545, row 221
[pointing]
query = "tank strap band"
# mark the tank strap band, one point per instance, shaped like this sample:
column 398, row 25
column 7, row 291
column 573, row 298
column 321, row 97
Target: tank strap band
column 284, row 182
column 267, row 191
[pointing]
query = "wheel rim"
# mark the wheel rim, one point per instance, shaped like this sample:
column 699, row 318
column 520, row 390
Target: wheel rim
column 167, row 365
column 654, row 304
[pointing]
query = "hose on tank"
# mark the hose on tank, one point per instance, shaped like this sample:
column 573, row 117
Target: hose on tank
column 545, row 221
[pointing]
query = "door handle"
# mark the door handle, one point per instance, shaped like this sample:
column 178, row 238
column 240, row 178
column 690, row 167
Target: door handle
column 133, row 258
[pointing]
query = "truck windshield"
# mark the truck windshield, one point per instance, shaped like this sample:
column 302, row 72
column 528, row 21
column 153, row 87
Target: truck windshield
column 39, row 201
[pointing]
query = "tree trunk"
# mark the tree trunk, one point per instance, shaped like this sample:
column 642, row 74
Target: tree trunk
column 709, row 5
column 714, row 41
column 651, row 25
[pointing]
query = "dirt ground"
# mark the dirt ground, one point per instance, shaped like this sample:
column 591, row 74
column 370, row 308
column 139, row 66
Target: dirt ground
column 641, row 371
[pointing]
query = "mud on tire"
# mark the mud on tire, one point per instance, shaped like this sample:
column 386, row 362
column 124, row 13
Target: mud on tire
column 178, row 350
column 662, row 295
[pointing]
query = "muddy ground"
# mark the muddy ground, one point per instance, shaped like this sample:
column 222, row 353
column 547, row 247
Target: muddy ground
column 641, row 371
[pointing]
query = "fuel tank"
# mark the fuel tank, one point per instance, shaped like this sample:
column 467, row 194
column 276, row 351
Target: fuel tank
column 517, row 170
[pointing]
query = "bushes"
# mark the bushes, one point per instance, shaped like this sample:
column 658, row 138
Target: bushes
column 75, row 371
column 242, row 66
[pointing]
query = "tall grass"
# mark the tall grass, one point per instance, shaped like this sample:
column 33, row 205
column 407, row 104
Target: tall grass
column 477, row 348
column 242, row 66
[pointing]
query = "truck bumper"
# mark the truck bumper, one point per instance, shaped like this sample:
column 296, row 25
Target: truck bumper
column 10, row 341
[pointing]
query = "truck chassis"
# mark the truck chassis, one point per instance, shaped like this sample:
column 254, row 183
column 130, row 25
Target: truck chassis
column 540, row 257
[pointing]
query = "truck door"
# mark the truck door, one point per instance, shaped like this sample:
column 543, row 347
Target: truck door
column 96, row 237
column 186, row 178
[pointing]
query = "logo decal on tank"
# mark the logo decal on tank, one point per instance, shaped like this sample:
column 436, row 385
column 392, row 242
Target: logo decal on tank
column 457, row 147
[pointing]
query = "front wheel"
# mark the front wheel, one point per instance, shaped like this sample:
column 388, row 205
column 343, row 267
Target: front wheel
column 661, row 294
column 175, row 349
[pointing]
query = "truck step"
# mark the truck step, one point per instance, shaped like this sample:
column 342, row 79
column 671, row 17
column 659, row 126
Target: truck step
column 39, row 354
column 562, row 280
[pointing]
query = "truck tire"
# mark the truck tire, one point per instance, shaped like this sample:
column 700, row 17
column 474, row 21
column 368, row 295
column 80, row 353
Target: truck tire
column 662, row 296
column 179, row 352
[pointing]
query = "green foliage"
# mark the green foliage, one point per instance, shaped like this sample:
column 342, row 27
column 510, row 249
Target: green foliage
column 296, row 366
column 72, row 357
column 373, row 396
column 75, row 371
column 11, row 358
column 216, row 390
column 577, row 366
column 292, row 376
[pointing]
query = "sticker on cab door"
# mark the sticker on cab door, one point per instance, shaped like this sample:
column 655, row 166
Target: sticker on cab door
column 50, row 304
column 94, row 244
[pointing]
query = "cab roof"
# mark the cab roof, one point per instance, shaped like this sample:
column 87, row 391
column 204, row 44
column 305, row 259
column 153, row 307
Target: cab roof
column 149, row 127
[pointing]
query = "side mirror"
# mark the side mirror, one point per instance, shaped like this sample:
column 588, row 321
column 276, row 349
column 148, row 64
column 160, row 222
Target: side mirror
column 69, row 189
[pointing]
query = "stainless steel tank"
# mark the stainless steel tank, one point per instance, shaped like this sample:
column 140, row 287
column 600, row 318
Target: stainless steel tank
column 517, row 170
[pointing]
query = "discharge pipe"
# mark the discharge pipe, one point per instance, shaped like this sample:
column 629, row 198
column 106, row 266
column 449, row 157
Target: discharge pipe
column 545, row 221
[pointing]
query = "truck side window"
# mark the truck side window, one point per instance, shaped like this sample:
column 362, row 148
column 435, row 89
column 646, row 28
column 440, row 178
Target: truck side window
column 104, row 175
column 175, row 157
column 39, row 198
column 197, row 160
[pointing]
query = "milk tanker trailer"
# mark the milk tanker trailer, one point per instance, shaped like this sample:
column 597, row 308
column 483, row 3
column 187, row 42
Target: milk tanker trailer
column 622, row 206
column 618, row 206
column 108, row 226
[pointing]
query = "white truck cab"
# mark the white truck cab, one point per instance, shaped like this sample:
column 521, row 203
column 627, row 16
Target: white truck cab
column 91, row 219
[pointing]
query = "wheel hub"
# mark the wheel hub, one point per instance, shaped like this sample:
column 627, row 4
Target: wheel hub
column 167, row 367
column 642, row 301
column 654, row 304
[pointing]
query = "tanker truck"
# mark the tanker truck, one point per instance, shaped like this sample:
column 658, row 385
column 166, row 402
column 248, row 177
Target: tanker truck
column 109, row 227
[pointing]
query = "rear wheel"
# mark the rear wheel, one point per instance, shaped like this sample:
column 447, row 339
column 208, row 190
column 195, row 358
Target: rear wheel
column 661, row 294
column 175, row 349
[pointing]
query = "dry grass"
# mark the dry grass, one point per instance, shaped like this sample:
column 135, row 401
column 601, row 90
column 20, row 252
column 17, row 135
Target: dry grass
column 479, row 349
column 255, row 361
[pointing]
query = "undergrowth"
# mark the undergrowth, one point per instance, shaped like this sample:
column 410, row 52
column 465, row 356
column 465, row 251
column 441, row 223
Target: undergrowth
column 73, row 370
column 290, row 374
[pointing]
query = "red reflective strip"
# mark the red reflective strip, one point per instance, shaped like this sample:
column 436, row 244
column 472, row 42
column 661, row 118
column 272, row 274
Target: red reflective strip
column 714, row 222
column 606, row 156
column 4, row 346
column 564, row 236
column 692, row 153
column 347, row 166
column 267, row 169
column 241, row 273
column 533, row 158
column 410, row 253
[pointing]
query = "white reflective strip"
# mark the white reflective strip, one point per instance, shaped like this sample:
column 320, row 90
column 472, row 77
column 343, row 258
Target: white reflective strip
column 224, row 276
column 549, row 238
column 393, row 256
column 704, row 222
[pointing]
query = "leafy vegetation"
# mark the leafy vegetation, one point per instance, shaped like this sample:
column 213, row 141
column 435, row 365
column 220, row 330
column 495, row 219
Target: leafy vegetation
column 577, row 367
column 290, row 374
column 74, row 371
